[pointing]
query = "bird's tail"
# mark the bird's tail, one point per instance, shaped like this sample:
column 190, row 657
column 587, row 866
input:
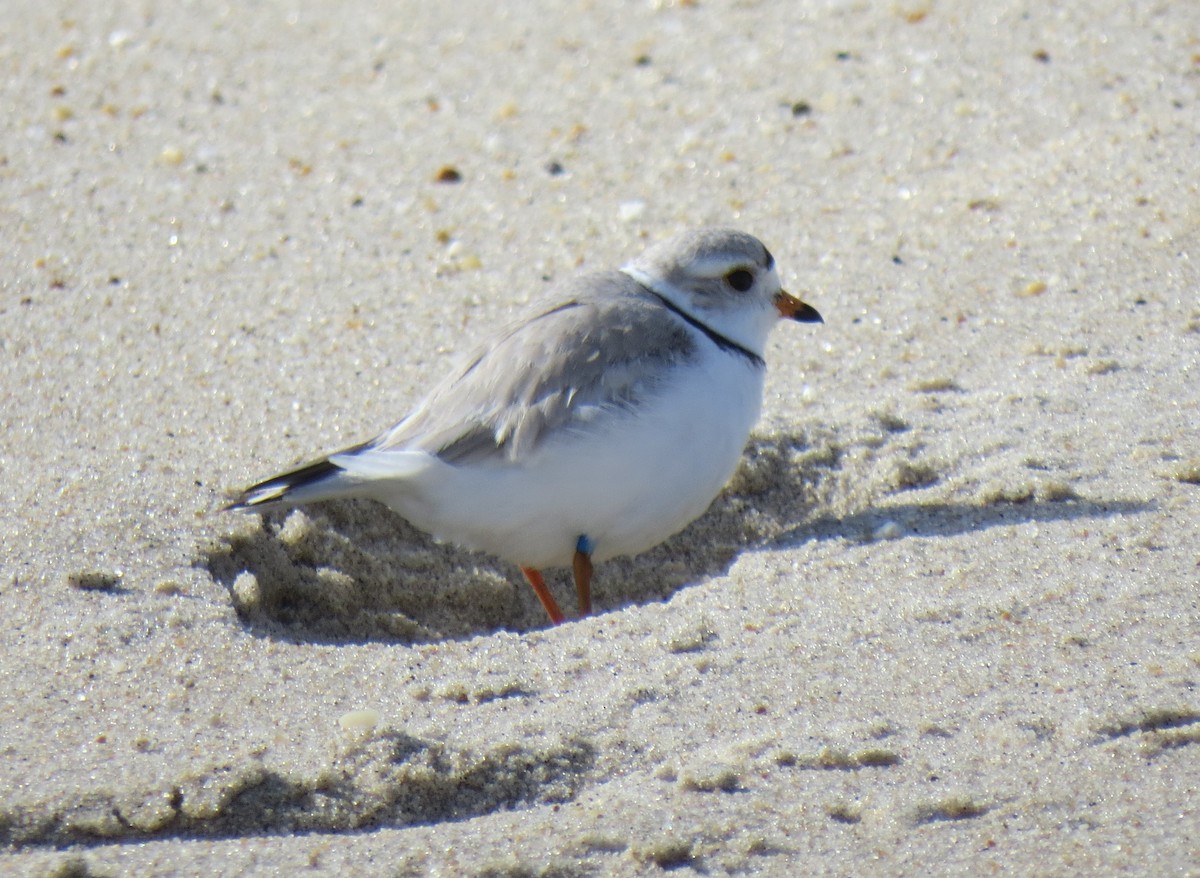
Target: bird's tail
column 320, row 480
column 360, row 471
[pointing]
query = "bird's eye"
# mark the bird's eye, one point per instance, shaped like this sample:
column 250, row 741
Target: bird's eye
column 740, row 279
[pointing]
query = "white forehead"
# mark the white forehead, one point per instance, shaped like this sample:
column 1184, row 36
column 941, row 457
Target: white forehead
column 715, row 263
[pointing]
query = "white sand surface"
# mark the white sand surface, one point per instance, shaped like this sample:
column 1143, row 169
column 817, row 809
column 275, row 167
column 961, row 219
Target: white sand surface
column 945, row 621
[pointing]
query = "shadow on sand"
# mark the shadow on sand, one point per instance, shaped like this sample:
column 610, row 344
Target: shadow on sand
column 353, row 571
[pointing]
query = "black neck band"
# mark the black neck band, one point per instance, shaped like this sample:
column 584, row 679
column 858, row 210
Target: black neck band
column 725, row 344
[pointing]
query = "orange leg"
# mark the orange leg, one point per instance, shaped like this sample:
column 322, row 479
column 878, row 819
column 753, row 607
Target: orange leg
column 583, row 581
column 543, row 593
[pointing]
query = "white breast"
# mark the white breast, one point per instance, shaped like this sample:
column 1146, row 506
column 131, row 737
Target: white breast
column 627, row 482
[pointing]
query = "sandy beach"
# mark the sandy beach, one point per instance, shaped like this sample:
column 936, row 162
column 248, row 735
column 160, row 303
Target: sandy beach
column 943, row 621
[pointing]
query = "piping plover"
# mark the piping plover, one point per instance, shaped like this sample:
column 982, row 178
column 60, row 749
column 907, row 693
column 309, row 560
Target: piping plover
column 599, row 425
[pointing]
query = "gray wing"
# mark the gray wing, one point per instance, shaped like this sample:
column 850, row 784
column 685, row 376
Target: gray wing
column 604, row 343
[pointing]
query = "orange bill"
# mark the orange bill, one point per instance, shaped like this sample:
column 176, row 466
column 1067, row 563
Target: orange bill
column 793, row 309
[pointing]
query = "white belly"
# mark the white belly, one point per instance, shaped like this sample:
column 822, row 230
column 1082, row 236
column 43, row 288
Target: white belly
column 627, row 484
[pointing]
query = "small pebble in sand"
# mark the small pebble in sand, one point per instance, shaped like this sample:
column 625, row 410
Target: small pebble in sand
column 631, row 210
column 362, row 720
column 95, row 580
column 889, row 530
